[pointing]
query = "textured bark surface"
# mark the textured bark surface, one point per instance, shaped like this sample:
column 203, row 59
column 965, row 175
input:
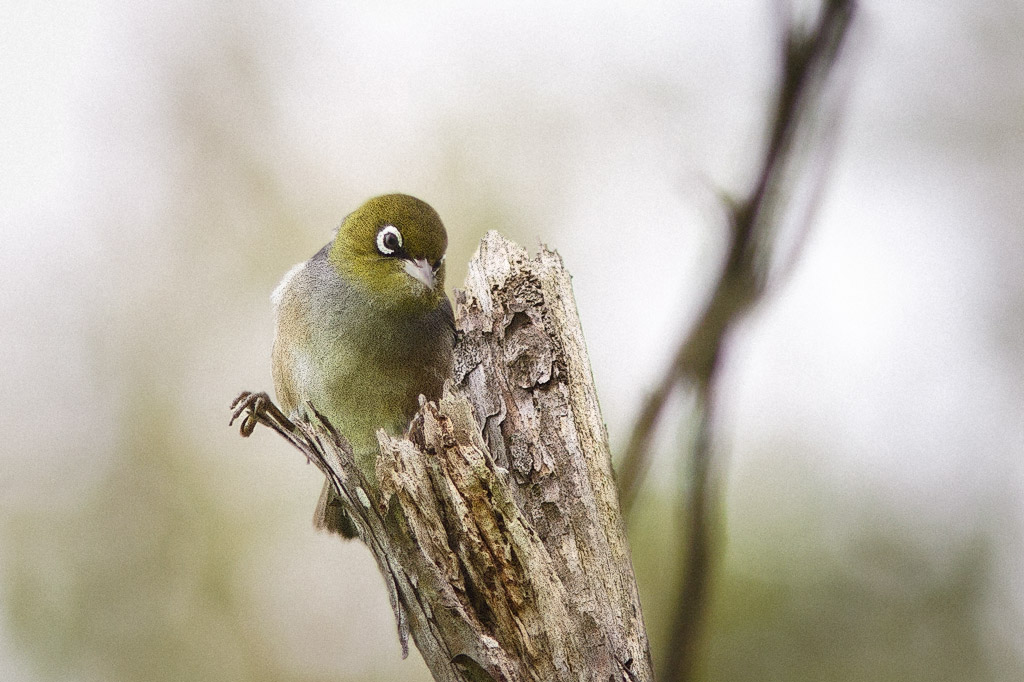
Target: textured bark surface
column 497, row 527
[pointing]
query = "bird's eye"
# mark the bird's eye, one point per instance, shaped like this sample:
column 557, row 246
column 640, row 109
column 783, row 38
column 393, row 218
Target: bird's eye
column 438, row 263
column 389, row 240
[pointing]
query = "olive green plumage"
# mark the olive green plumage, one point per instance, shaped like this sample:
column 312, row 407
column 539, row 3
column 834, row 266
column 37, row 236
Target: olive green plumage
column 364, row 327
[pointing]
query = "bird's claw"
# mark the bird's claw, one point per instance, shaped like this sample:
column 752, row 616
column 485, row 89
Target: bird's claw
column 259, row 408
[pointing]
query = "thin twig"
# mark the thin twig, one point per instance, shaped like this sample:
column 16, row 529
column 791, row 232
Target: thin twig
column 807, row 59
column 317, row 439
column 692, row 592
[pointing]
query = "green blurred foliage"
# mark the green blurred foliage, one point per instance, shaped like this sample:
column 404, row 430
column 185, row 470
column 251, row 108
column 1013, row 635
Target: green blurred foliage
column 892, row 611
column 135, row 584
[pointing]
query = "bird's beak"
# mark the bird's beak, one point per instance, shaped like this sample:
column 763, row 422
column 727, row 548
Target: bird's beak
column 420, row 271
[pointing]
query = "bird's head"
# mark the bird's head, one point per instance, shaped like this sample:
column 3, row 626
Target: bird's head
column 392, row 247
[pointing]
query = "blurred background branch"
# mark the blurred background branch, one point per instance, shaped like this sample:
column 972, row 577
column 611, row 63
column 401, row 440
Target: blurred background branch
column 808, row 55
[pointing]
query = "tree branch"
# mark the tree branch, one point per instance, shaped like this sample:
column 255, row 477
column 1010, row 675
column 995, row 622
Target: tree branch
column 807, row 59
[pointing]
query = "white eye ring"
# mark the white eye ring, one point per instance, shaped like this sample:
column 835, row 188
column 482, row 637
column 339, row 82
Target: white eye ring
column 383, row 234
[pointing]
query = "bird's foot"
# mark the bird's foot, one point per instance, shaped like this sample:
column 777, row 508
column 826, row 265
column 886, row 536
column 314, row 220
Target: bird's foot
column 259, row 409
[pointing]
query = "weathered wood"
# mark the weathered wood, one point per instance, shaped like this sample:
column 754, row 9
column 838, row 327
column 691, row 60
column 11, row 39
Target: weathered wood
column 497, row 525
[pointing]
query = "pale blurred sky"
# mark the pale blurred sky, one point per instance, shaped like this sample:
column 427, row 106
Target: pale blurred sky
column 893, row 360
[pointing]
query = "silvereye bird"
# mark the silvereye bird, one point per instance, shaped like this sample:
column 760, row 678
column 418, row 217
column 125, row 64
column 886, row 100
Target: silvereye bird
column 363, row 328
